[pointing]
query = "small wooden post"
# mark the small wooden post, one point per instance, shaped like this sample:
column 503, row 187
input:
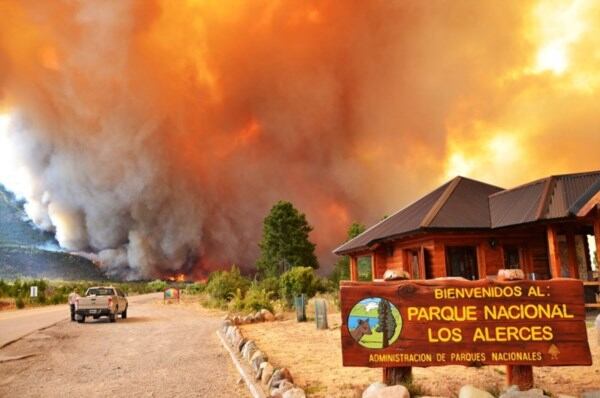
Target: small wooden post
column 321, row 314
column 397, row 375
column 400, row 374
column 519, row 375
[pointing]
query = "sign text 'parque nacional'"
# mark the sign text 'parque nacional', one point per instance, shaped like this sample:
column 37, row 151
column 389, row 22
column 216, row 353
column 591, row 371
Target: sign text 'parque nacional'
column 448, row 322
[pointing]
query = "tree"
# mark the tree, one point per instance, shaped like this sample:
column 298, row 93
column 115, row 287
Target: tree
column 341, row 269
column 387, row 322
column 285, row 242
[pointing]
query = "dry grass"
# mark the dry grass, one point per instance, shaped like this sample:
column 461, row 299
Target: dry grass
column 315, row 360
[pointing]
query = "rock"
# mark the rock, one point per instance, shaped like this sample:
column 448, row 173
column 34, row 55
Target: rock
column 395, row 274
column 591, row 394
column 225, row 324
column 229, row 334
column 514, row 392
column 510, row 275
column 278, row 376
column 267, row 315
column 392, row 392
column 241, row 344
column 248, row 319
column 294, row 393
column 248, row 350
column 372, row 390
column 267, row 372
column 236, row 320
column 257, row 358
column 237, row 338
column 258, row 317
column 469, row 391
column 279, row 317
column 283, row 386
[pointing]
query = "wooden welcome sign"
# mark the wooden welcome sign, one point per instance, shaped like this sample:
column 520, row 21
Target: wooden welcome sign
column 458, row 322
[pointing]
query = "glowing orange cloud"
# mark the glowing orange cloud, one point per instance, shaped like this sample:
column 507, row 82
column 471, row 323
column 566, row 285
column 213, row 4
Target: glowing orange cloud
column 159, row 133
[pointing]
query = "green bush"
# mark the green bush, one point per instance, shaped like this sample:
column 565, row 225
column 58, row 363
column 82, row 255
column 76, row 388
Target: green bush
column 271, row 286
column 195, row 288
column 223, row 285
column 157, row 285
column 58, row 299
column 297, row 281
column 20, row 303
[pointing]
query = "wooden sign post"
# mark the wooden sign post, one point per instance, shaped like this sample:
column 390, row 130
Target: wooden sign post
column 458, row 322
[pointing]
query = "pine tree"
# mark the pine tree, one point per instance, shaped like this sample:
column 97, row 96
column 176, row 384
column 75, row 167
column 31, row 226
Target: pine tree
column 387, row 322
column 285, row 242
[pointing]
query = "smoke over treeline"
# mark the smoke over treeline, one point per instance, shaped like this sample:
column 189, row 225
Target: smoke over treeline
column 159, row 133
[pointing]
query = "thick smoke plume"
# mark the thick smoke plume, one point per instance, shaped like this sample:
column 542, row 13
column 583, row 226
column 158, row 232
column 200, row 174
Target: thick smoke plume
column 157, row 134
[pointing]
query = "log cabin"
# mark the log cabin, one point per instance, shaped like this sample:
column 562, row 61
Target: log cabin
column 470, row 229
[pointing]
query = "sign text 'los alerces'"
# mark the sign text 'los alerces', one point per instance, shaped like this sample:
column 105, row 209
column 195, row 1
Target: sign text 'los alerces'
column 448, row 322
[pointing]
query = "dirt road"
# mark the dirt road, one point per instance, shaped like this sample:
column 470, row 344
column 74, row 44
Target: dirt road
column 159, row 350
column 16, row 324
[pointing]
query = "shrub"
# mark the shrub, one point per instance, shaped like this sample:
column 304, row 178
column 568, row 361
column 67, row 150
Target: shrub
column 222, row 285
column 256, row 299
column 20, row 303
column 195, row 288
column 298, row 280
column 58, row 299
column 271, row 286
column 157, row 285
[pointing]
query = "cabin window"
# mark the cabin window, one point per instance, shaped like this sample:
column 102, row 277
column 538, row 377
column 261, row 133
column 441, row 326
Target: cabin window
column 511, row 257
column 365, row 270
column 462, row 261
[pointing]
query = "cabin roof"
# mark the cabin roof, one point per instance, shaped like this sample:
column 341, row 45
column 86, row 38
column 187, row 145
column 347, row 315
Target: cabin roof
column 463, row 203
column 553, row 197
column 459, row 203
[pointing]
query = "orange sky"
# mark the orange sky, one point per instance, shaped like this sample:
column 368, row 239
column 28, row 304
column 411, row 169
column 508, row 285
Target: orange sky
column 159, row 133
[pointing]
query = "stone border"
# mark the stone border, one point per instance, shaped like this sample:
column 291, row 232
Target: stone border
column 278, row 382
column 255, row 390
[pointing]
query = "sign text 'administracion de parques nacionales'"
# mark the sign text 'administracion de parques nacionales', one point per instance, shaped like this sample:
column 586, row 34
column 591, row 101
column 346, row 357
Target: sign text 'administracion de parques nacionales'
column 453, row 321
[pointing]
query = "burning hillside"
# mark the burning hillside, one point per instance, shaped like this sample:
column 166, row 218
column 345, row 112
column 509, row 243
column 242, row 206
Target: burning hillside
column 158, row 133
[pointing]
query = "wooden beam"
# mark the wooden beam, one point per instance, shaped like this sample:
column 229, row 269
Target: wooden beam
column 597, row 236
column 481, row 265
column 353, row 268
column 572, row 254
column 374, row 263
column 553, row 251
column 421, row 263
column 589, row 206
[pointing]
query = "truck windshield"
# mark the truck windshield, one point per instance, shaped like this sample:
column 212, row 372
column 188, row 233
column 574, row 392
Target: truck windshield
column 100, row 292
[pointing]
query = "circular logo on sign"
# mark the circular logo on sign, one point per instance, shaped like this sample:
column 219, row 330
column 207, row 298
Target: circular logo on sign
column 375, row 323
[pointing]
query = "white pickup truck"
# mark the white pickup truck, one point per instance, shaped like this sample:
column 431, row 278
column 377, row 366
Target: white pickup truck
column 101, row 301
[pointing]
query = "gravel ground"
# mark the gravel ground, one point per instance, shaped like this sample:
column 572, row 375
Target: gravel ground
column 160, row 350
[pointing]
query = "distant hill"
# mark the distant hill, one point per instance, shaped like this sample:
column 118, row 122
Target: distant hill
column 23, row 252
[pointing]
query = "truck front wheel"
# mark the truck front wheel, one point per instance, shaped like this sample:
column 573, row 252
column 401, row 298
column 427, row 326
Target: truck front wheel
column 112, row 317
column 81, row 319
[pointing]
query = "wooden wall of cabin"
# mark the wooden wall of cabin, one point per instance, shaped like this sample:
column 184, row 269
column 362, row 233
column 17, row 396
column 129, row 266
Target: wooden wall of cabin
column 490, row 248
